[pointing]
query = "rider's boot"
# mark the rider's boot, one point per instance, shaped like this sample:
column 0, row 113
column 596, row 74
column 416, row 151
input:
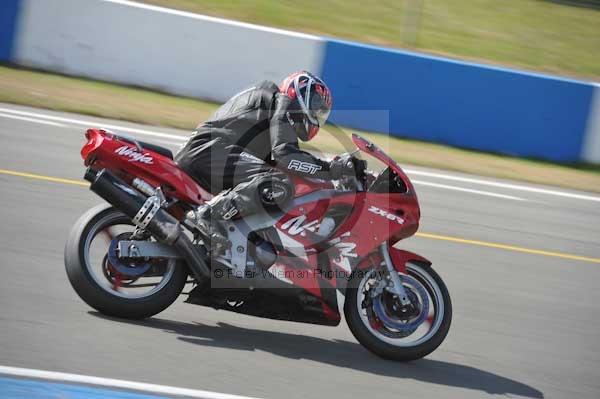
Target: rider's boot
column 203, row 221
column 211, row 217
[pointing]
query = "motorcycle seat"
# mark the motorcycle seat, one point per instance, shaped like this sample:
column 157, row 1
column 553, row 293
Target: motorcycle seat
column 156, row 148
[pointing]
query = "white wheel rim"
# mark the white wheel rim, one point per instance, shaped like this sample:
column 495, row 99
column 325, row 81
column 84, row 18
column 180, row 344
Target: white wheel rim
column 437, row 302
column 101, row 280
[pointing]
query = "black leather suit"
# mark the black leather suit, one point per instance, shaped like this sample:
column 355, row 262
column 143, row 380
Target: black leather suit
column 249, row 142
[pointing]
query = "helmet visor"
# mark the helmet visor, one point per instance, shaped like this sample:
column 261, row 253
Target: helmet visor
column 319, row 109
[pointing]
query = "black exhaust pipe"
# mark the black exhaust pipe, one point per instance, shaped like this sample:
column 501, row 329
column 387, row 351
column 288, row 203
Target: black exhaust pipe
column 164, row 227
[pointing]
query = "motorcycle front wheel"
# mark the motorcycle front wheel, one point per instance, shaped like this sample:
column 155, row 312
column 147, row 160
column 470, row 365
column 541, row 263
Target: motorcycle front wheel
column 379, row 322
column 133, row 290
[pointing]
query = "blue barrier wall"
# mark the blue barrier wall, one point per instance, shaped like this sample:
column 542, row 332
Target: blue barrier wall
column 9, row 11
column 461, row 104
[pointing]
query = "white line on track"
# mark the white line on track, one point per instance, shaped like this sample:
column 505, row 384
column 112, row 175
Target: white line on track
column 467, row 190
column 24, row 118
column 89, row 123
column 112, row 383
column 517, row 187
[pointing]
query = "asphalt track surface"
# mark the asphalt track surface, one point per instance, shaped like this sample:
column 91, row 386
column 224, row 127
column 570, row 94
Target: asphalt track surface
column 526, row 319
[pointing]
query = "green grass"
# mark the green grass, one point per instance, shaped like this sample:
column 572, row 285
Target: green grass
column 531, row 34
column 90, row 97
column 63, row 93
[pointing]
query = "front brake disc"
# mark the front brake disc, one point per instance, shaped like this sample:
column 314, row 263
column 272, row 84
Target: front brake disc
column 397, row 323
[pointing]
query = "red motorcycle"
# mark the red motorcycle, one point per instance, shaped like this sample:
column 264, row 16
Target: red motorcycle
column 132, row 258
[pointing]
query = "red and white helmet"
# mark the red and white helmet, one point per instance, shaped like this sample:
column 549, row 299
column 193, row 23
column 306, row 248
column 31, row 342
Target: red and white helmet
column 313, row 99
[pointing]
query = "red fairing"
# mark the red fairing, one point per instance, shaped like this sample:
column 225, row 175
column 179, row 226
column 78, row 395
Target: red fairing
column 381, row 217
column 372, row 219
column 401, row 257
column 376, row 152
column 304, row 186
column 106, row 150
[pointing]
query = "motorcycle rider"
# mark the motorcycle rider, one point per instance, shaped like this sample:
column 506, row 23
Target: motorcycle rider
column 245, row 150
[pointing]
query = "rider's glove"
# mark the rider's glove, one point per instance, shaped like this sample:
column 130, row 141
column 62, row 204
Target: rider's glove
column 342, row 166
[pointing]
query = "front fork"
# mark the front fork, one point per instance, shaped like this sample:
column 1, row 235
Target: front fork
column 396, row 283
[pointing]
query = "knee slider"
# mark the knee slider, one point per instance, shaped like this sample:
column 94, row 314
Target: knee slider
column 275, row 191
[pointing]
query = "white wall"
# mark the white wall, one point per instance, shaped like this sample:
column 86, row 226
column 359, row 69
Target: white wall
column 149, row 46
column 591, row 139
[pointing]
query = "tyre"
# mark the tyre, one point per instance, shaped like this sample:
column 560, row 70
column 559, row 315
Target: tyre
column 134, row 290
column 380, row 323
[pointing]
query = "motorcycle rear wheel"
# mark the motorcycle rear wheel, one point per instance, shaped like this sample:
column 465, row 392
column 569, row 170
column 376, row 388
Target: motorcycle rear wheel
column 97, row 293
column 392, row 344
